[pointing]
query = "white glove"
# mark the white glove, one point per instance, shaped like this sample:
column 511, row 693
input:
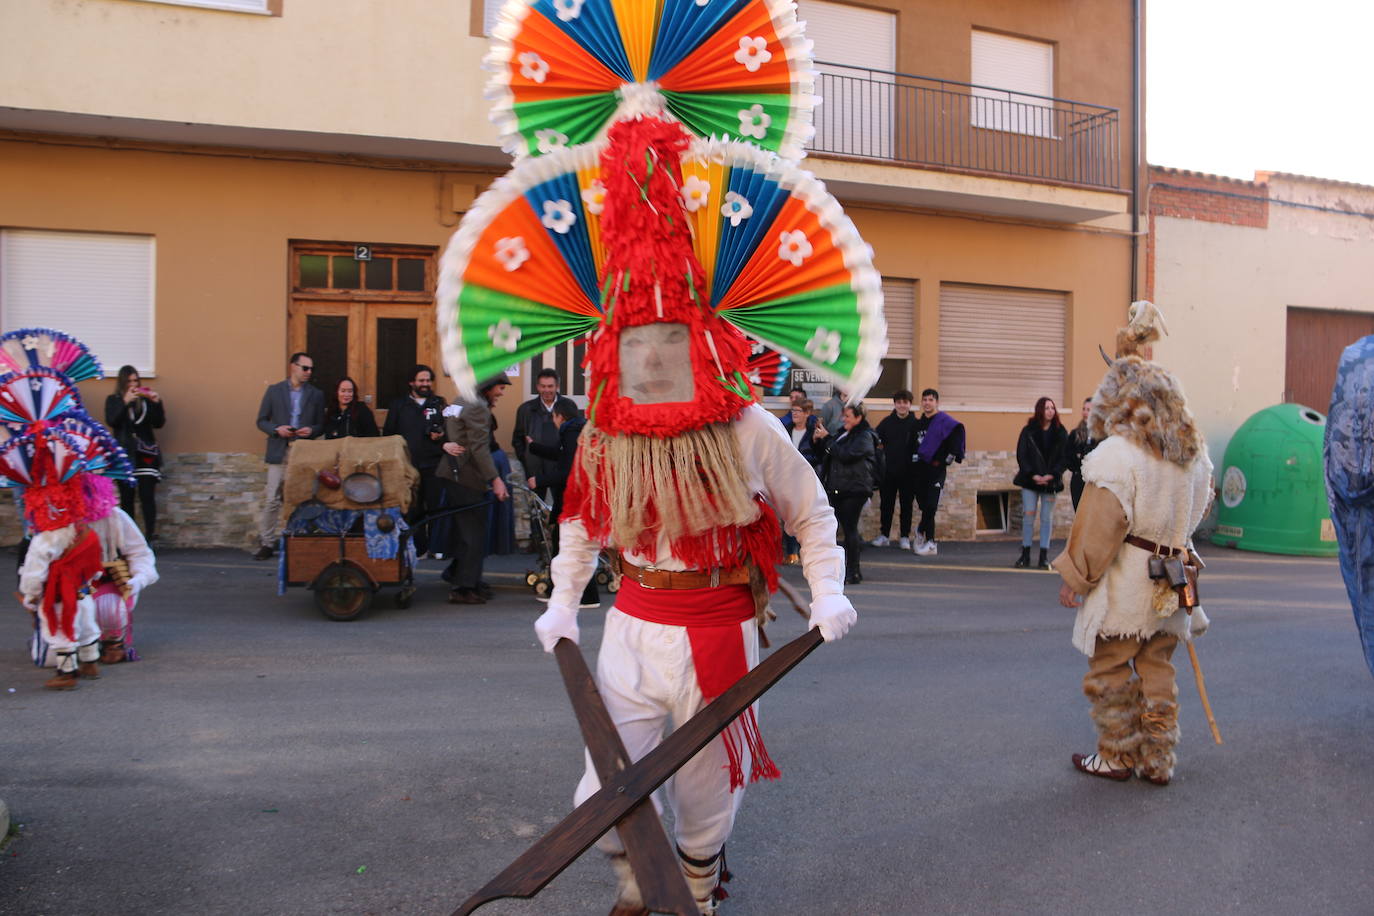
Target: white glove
column 554, row 624
column 834, row 615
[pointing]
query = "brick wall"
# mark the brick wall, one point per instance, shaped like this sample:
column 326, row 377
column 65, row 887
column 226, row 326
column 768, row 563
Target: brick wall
column 1182, row 194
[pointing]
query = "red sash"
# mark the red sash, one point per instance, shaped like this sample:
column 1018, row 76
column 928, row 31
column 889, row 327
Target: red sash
column 712, row 617
column 68, row 575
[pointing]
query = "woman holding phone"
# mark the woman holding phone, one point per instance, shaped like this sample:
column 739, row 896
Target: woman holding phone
column 132, row 413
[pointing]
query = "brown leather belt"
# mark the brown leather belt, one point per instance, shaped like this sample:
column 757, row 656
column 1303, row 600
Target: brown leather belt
column 1152, row 547
column 652, row 577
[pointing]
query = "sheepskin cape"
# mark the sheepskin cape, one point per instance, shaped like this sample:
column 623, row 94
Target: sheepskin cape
column 1164, row 502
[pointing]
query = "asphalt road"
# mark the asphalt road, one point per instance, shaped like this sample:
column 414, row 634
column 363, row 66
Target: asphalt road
column 264, row 760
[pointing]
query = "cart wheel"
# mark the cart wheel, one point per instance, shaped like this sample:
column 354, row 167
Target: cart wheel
column 342, row 593
column 543, row 588
column 531, row 578
column 403, row 597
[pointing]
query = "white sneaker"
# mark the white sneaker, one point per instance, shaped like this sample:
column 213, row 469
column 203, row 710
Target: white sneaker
column 904, row 543
column 928, row 549
column 879, row 541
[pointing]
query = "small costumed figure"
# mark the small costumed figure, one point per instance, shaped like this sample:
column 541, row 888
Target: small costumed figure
column 1148, row 485
column 51, row 450
column 662, row 252
column 63, row 560
column 129, row 566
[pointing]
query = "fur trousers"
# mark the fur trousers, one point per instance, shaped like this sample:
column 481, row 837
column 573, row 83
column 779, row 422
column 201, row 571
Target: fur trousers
column 1130, row 682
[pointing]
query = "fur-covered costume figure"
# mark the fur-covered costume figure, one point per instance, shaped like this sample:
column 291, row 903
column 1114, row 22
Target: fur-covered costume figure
column 1149, row 480
column 52, row 450
column 640, row 227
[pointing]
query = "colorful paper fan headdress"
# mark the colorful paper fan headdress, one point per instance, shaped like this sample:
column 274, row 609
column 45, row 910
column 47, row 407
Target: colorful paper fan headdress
column 778, row 259
column 565, row 69
column 47, row 440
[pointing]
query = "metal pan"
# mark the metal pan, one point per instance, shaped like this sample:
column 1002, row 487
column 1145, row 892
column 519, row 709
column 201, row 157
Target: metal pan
column 362, row 488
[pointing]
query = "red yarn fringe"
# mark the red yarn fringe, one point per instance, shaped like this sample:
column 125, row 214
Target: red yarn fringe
column 651, row 274
column 72, row 571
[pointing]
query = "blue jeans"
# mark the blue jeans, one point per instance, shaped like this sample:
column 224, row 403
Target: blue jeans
column 1029, row 499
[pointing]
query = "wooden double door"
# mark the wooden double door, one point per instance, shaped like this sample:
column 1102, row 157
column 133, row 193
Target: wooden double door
column 368, row 318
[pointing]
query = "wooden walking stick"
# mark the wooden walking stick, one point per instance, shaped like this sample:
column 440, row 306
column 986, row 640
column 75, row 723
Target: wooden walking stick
column 1202, row 693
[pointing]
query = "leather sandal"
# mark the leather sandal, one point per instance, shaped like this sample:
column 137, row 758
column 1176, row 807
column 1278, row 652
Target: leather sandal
column 1094, row 765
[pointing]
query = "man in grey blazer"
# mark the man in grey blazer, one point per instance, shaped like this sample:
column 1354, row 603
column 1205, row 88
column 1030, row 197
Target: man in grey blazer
column 291, row 409
column 469, row 472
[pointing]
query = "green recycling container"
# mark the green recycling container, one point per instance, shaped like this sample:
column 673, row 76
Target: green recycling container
column 1273, row 494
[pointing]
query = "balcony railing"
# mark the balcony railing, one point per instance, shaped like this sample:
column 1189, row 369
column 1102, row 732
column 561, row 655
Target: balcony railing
column 896, row 117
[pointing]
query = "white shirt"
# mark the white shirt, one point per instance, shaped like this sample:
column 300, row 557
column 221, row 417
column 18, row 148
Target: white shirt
column 773, row 468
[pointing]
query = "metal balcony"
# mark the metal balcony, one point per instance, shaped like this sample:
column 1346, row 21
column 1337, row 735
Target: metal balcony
column 917, row 120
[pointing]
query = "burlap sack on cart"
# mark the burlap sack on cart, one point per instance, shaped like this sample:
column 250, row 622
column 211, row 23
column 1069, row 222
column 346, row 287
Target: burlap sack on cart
column 385, row 457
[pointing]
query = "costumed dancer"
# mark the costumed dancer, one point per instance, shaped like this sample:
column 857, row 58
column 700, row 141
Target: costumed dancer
column 1348, row 452
column 663, row 249
column 49, row 446
column 129, row 566
column 1148, row 485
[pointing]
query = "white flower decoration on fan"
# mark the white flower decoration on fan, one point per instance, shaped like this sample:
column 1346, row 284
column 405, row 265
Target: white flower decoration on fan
column 594, row 197
column 558, row 216
column 568, row 9
column 754, row 122
column 532, row 66
column 504, row 335
column 824, row 346
column 549, row 140
column 511, row 252
column 695, row 193
column 753, row 53
column 736, row 208
column 794, row 247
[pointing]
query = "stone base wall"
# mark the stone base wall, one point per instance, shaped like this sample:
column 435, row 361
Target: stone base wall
column 212, row 500
column 209, row 499
column 981, row 473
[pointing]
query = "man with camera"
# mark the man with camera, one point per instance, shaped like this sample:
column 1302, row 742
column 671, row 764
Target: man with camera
column 291, row 409
column 419, row 419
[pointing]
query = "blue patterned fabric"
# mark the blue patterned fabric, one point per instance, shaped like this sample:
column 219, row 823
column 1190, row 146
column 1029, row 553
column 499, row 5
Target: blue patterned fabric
column 381, row 545
column 1349, row 459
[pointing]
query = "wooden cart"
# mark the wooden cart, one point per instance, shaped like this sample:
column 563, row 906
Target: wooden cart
column 341, row 574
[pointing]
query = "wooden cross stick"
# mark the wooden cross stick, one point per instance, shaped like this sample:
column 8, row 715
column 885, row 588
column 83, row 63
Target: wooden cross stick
column 630, row 787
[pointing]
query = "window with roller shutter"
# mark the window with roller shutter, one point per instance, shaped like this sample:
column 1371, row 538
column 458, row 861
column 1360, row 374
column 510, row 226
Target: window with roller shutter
column 1001, row 348
column 96, row 286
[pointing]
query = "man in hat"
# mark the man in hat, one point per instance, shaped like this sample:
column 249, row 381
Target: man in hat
column 468, row 471
column 1147, row 487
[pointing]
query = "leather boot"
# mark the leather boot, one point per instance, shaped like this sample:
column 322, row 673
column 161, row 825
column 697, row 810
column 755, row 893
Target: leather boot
column 1023, row 561
column 112, row 651
column 1044, row 559
column 63, row 680
column 89, row 670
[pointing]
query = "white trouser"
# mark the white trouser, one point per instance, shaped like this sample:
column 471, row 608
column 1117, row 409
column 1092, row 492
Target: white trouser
column 645, row 674
column 86, row 646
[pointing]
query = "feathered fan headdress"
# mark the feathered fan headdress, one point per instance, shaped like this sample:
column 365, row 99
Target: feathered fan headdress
column 48, row 443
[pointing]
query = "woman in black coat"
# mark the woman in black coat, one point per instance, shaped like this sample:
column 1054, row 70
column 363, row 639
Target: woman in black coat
column 132, row 413
column 346, row 415
column 849, row 474
column 1042, row 453
column 1081, row 443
